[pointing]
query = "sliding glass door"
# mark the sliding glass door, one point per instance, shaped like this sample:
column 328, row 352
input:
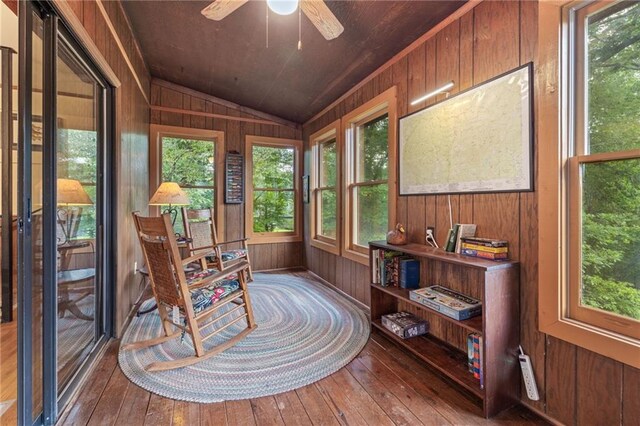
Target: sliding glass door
column 79, row 132
column 64, row 258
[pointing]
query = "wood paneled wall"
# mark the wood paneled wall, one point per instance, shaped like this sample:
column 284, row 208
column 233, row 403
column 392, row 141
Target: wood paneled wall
column 263, row 256
column 107, row 26
column 576, row 386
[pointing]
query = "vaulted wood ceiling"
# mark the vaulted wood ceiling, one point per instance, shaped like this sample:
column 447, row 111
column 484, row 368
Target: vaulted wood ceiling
column 229, row 59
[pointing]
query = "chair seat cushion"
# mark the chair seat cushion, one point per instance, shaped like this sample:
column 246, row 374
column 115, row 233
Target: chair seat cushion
column 230, row 255
column 205, row 297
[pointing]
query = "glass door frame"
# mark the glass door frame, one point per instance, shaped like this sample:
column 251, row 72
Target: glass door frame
column 54, row 31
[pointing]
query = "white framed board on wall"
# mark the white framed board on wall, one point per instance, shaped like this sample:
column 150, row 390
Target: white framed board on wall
column 480, row 140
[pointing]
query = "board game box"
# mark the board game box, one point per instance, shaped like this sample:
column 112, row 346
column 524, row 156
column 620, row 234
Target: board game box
column 404, row 324
column 448, row 302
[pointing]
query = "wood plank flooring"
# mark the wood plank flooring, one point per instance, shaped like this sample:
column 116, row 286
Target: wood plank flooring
column 381, row 386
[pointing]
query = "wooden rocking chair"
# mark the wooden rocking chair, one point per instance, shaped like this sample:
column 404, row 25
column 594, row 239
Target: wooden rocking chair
column 194, row 299
column 200, row 227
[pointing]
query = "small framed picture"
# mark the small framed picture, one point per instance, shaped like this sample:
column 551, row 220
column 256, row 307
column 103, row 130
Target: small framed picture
column 305, row 189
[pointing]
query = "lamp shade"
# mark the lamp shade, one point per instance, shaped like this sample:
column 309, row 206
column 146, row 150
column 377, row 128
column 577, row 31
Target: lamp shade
column 71, row 193
column 169, row 193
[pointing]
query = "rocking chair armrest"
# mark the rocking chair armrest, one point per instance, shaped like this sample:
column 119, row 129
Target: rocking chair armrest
column 196, row 257
column 241, row 240
column 236, row 269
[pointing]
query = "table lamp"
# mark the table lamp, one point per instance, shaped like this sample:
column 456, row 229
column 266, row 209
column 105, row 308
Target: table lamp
column 170, row 193
column 69, row 193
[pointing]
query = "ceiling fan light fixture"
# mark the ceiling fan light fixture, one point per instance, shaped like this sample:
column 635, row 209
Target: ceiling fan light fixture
column 283, row 7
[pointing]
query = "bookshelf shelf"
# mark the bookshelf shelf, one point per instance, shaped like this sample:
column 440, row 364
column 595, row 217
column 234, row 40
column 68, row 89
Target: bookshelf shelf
column 444, row 358
column 496, row 284
column 471, row 324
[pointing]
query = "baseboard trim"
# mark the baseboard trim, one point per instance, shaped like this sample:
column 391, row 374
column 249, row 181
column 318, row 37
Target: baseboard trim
column 288, row 268
column 541, row 414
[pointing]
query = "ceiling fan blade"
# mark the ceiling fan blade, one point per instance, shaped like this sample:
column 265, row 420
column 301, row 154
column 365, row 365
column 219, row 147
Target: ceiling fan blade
column 219, row 9
column 324, row 20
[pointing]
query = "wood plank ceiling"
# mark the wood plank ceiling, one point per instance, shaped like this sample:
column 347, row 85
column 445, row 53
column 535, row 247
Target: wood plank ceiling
column 229, row 59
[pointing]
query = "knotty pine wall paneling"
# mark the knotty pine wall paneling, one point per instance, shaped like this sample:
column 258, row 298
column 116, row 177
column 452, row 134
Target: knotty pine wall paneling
column 492, row 38
column 108, row 29
column 263, row 256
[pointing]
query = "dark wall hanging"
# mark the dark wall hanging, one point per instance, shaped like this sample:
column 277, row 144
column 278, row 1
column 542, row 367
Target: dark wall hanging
column 234, row 178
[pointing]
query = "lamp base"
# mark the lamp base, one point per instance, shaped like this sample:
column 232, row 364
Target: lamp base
column 174, row 214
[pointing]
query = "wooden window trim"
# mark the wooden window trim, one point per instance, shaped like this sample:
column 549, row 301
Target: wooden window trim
column 386, row 102
column 273, row 237
column 552, row 84
column 331, row 131
column 155, row 163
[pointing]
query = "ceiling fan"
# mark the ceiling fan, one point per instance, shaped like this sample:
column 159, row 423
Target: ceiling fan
column 316, row 10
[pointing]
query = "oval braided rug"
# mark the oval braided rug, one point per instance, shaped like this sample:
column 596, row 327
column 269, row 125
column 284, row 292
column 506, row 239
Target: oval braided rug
column 305, row 333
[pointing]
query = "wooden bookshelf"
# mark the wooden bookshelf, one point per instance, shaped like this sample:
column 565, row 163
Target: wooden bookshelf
column 496, row 284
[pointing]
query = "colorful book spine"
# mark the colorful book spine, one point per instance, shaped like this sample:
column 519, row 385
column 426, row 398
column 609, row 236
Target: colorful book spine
column 484, row 254
column 487, row 242
column 470, row 352
column 484, row 248
column 476, row 356
column 481, row 357
column 453, row 236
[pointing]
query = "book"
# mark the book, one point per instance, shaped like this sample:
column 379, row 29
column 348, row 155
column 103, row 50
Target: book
column 465, row 230
column 446, row 241
column 484, row 254
column 470, row 351
column 409, row 273
column 451, row 241
column 485, row 248
column 477, row 362
column 487, row 242
column 375, row 276
column 448, row 302
column 405, row 325
column 480, row 358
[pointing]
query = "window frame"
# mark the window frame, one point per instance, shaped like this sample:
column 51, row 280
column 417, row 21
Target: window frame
column 384, row 103
column 273, row 237
column 559, row 194
column 319, row 138
column 578, row 157
column 155, row 167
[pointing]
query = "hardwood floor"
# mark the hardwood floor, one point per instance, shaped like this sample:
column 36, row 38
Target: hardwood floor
column 381, row 386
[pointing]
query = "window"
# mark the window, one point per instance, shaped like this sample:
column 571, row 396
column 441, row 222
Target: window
column 589, row 175
column 273, row 190
column 325, row 194
column 192, row 158
column 370, row 174
column 604, row 170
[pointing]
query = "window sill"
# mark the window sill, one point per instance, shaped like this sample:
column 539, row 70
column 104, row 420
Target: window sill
column 620, row 348
column 356, row 256
column 272, row 239
column 328, row 247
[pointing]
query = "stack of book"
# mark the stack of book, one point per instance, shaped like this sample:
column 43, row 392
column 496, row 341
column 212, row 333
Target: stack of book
column 459, row 231
column 394, row 269
column 486, row 248
column 474, row 356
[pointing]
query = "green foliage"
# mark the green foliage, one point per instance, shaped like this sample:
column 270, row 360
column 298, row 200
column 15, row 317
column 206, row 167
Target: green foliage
column 373, row 149
column 187, row 162
column 273, row 200
column 190, row 163
column 77, row 159
column 611, row 194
